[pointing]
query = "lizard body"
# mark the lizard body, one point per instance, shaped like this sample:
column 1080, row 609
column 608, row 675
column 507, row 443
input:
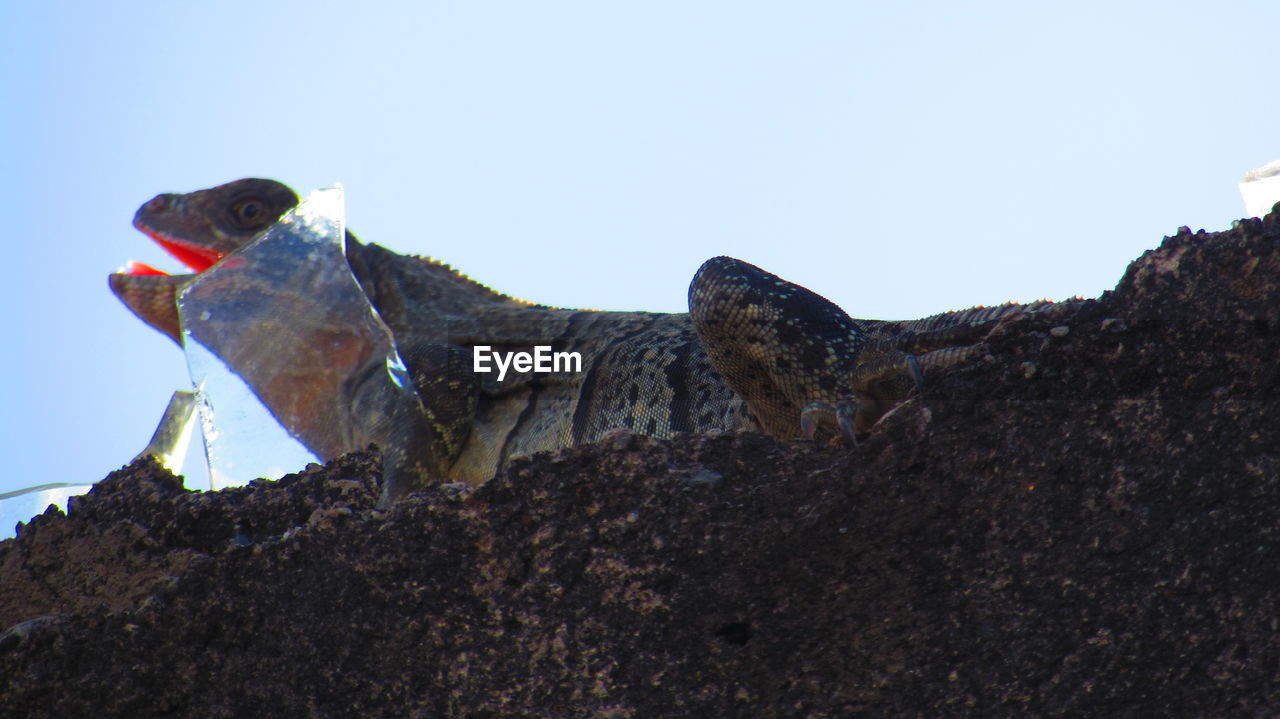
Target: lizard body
column 755, row 351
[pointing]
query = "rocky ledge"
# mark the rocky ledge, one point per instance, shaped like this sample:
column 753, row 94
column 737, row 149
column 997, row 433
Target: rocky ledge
column 1085, row 521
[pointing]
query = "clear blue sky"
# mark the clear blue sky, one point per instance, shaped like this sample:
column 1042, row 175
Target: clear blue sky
column 900, row 158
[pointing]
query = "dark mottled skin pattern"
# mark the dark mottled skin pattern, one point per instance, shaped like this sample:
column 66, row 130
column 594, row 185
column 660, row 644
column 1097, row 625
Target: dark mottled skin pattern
column 753, row 352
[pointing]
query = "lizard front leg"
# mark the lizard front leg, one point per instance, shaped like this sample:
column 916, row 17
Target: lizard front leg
column 449, row 394
column 791, row 353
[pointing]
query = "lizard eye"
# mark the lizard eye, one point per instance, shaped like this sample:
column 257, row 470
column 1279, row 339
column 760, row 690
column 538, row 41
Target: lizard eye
column 249, row 213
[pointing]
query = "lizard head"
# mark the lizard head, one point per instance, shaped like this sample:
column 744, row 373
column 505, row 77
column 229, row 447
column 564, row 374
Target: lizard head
column 199, row 229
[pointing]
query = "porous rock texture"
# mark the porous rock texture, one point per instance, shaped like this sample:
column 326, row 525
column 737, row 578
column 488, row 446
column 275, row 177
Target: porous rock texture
column 1082, row 522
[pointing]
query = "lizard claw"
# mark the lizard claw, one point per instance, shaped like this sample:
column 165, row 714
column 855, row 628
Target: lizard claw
column 843, row 411
column 808, row 423
column 916, row 374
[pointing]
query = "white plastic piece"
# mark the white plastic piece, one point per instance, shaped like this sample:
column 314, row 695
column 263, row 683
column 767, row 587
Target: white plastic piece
column 1260, row 189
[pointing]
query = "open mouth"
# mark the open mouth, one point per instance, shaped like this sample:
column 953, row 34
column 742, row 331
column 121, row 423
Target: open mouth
column 195, row 257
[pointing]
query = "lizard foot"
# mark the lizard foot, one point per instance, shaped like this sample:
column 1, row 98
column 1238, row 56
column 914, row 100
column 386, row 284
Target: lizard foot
column 856, row 416
column 844, row 412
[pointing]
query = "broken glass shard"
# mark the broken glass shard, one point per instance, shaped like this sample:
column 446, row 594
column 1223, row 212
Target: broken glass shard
column 20, row 506
column 285, row 349
column 242, row 440
column 173, row 435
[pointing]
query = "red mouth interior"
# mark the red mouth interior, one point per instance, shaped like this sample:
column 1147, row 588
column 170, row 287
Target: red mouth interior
column 141, row 268
column 193, row 256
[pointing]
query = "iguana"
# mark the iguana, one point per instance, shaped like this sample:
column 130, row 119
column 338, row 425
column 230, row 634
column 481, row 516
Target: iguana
column 754, row 352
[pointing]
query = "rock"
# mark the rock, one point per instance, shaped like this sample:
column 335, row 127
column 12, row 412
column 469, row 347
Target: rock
column 1098, row 542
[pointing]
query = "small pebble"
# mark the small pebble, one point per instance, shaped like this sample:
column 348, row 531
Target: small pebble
column 1114, row 324
column 705, row 478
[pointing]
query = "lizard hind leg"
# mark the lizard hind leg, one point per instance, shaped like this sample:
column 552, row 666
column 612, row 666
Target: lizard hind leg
column 779, row 346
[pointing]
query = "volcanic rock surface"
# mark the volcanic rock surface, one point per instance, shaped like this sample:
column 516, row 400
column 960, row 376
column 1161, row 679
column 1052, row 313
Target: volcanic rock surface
column 1082, row 522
